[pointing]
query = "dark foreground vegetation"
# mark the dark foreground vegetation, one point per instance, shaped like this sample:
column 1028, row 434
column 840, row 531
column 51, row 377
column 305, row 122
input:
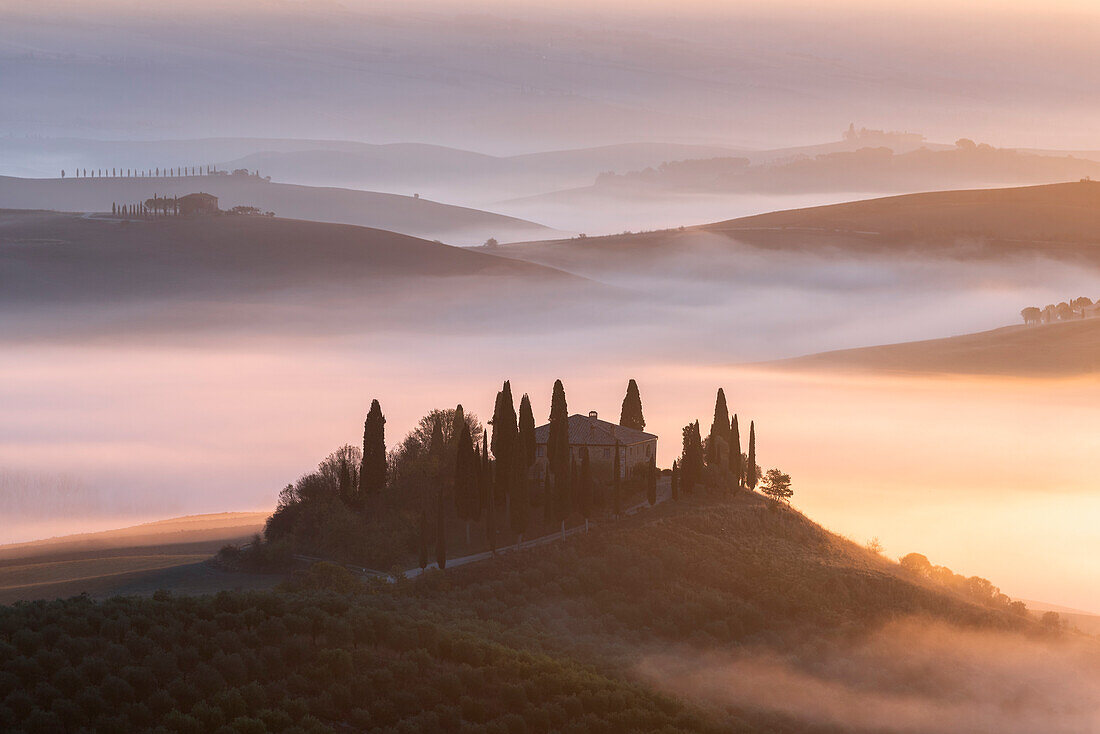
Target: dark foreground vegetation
column 534, row 641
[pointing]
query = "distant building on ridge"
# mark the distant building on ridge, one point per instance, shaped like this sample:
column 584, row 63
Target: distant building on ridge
column 636, row 448
column 199, row 203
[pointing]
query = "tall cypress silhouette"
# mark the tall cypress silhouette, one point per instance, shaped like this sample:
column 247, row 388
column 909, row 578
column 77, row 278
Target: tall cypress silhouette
column 372, row 470
column 691, row 462
column 750, row 469
column 465, row 479
column 505, row 443
column 527, row 431
column 631, row 415
column 557, row 451
column 735, row 453
column 674, row 485
column 719, row 430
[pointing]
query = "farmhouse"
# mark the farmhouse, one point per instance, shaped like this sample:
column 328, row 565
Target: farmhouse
column 636, row 448
column 199, row 203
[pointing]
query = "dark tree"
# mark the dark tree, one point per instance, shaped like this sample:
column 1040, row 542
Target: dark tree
column 372, row 472
column 674, row 485
column 651, row 482
column 584, row 487
column 436, row 448
column 631, row 416
column 691, row 461
column 735, row 453
column 751, row 477
column 527, row 431
column 423, row 538
column 505, row 443
column 777, row 486
column 557, row 451
column 719, row 430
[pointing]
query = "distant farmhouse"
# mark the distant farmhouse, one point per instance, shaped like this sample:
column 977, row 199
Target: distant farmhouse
column 200, row 203
column 636, row 448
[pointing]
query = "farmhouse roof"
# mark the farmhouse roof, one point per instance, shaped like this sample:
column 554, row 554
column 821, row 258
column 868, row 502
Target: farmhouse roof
column 589, row 430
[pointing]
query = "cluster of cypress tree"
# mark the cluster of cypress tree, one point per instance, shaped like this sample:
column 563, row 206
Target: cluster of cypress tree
column 719, row 454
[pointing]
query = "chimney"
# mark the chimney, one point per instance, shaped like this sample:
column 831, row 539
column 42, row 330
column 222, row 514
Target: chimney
column 592, row 415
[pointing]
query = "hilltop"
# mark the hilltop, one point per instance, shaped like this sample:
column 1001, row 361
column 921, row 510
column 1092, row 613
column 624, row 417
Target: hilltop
column 404, row 214
column 1061, row 349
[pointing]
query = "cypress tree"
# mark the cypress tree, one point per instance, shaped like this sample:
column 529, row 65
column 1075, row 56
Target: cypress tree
column 584, row 487
column 527, row 431
column 465, row 478
column 440, row 534
column 617, row 482
column 674, row 485
column 735, row 452
column 719, row 429
column 484, row 478
column 423, row 538
column 631, row 415
column 691, row 462
column 557, row 451
column 435, row 449
column 651, row 482
column 372, row 470
column 523, row 461
column 505, row 443
column 750, row 469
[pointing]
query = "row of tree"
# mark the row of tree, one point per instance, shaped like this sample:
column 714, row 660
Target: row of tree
column 1075, row 309
column 176, row 172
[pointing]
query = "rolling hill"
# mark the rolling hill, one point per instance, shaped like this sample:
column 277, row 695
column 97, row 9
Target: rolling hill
column 105, row 563
column 217, row 270
column 1055, row 220
column 404, row 214
column 684, row 617
column 1060, row 349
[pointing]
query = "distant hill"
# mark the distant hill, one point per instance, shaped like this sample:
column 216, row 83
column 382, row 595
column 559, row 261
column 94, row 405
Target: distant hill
column 1055, row 220
column 868, row 169
column 1043, row 215
column 110, row 562
column 405, row 214
column 1060, row 349
column 215, row 271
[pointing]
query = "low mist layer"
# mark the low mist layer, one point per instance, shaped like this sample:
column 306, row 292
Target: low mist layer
column 908, row 677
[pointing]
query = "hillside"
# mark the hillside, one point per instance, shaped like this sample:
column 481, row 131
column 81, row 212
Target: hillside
column 121, row 561
column 252, row 268
column 404, row 214
column 1054, row 213
column 566, row 637
column 1055, row 220
column 1061, row 349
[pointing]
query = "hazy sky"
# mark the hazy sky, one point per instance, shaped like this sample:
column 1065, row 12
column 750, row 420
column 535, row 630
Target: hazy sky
column 495, row 77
